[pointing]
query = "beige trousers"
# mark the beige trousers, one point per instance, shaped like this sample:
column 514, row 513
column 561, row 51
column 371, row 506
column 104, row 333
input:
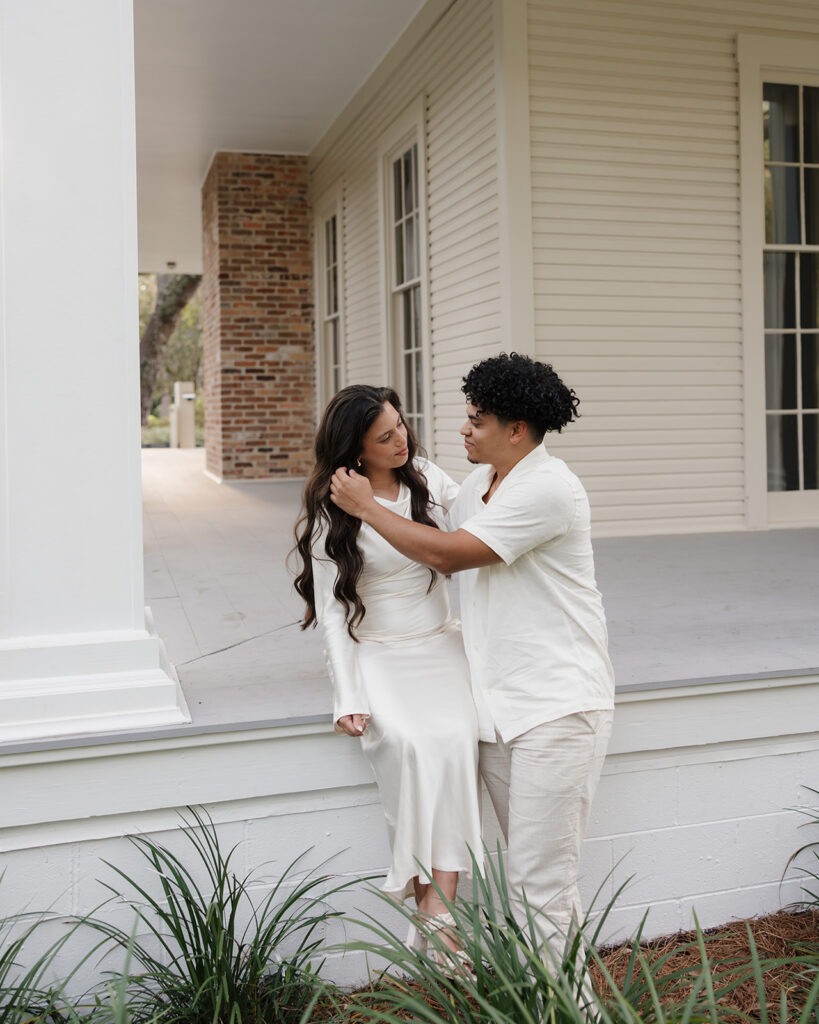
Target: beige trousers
column 542, row 785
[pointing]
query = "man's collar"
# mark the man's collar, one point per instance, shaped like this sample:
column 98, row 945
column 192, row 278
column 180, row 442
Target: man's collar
column 537, row 455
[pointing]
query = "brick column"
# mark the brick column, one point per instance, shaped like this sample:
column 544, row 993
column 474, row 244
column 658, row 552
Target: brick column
column 258, row 310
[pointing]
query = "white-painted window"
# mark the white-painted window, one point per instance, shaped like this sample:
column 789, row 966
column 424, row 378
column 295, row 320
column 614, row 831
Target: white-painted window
column 329, row 290
column 331, row 321
column 404, row 232
column 790, row 114
column 406, row 286
column 779, row 200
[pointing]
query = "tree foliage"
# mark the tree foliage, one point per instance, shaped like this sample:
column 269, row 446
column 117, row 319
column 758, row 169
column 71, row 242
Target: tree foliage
column 173, row 293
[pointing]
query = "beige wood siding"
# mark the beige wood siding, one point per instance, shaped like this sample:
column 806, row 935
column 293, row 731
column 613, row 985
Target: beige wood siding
column 635, row 204
column 453, row 68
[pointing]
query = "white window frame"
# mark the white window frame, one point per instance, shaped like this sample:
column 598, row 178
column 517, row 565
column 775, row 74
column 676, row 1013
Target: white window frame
column 789, row 60
column 407, row 130
column 330, row 205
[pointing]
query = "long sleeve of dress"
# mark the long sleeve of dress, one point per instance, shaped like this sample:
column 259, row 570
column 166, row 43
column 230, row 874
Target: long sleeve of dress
column 340, row 650
column 442, row 488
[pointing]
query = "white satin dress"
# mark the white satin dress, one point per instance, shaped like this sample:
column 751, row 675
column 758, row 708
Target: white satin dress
column 409, row 674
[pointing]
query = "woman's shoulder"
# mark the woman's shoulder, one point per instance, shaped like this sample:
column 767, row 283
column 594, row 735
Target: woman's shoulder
column 432, row 472
column 441, row 486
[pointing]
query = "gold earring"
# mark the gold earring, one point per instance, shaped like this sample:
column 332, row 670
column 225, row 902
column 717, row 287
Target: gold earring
column 358, row 462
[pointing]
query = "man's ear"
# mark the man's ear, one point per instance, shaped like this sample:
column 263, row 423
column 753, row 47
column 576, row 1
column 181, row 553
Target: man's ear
column 520, row 431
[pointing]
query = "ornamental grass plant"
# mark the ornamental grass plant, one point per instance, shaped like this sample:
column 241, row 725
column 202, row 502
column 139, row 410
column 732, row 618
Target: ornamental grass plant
column 205, row 949
column 24, row 996
column 213, row 954
column 515, row 982
column 809, row 873
column 29, row 991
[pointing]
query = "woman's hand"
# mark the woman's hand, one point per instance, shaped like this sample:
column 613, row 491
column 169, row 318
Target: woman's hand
column 353, row 725
column 351, row 492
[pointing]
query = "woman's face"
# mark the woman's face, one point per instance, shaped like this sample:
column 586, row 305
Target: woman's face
column 385, row 443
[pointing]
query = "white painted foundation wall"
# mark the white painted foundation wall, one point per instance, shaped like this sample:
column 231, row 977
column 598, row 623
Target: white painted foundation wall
column 694, row 804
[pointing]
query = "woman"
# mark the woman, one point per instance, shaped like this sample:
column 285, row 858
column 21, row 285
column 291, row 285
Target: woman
column 394, row 652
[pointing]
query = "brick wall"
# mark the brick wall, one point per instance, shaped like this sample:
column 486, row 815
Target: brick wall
column 258, row 309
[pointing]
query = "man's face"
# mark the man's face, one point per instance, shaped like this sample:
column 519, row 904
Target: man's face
column 486, row 438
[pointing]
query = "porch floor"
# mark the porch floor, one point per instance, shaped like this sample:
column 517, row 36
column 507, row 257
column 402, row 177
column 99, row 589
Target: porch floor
column 681, row 609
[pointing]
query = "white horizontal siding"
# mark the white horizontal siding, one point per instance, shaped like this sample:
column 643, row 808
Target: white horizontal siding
column 635, row 203
column 454, row 69
column 463, row 252
column 363, row 327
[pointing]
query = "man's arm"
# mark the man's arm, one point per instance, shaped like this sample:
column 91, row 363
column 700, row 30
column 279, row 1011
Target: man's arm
column 444, row 552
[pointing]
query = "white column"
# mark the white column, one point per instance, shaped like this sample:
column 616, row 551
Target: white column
column 77, row 653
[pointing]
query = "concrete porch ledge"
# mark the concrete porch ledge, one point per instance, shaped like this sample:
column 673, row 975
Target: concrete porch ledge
column 727, row 609
column 684, row 609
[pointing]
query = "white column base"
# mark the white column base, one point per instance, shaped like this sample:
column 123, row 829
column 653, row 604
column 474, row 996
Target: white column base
column 77, row 684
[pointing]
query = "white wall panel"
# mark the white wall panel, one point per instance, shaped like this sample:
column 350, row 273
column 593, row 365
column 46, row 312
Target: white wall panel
column 635, row 200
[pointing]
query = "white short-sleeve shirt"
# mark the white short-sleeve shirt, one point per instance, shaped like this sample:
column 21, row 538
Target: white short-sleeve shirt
column 534, row 626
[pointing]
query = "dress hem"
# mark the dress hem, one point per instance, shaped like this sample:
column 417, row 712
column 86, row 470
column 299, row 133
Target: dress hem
column 404, row 893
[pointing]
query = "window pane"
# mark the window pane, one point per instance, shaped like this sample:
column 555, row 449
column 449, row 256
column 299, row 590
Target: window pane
column 809, row 289
column 409, row 397
column 333, row 250
column 416, row 315
column 810, row 439
column 419, row 384
column 811, row 206
column 334, row 343
column 780, row 292
column 783, row 454
column 780, row 112
column 810, row 371
column 810, row 108
column 399, row 254
column 407, row 325
column 409, row 186
column 329, row 355
column 782, row 218
column 396, row 190
column 411, row 243
column 780, row 371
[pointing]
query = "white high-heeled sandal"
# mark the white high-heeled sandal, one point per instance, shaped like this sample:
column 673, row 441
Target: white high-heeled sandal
column 453, row 962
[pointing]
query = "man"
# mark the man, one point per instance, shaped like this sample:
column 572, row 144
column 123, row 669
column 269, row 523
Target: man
column 533, row 622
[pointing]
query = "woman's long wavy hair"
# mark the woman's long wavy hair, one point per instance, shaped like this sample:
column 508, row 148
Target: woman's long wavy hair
column 339, row 440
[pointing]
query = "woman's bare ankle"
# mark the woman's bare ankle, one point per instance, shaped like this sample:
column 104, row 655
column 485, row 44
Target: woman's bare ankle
column 432, row 905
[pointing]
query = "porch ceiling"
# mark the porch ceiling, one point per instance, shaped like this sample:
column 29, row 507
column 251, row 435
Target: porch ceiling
column 259, row 75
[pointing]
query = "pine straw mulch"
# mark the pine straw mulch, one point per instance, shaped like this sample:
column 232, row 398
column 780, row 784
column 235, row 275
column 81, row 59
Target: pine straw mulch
column 777, row 936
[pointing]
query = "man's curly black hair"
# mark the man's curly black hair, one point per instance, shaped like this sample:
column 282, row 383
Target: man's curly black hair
column 515, row 387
